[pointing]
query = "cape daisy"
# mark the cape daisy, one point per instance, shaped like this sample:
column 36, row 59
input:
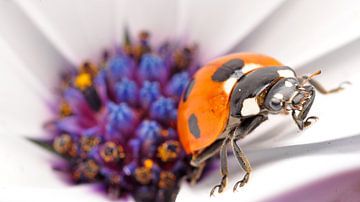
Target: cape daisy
column 38, row 39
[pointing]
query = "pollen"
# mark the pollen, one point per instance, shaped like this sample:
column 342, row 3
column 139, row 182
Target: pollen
column 112, row 152
column 115, row 179
column 87, row 171
column 65, row 109
column 87, row 143
column 164, row 133
column 148, row 163
column 62, row 144
column 167, row 180
column 168, row 151
column 89, row 68
column 143, row 175
column 83, row 81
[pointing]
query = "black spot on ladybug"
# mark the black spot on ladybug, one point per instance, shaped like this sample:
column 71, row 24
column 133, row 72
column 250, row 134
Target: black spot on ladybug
column 188, row 90
column 227, row 69
column 193, row 126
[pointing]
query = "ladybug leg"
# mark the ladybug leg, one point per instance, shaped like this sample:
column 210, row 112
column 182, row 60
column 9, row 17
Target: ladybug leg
column 300, row 116
column 198, row 160
column 323, row 90
column 246, row 127
column 244, row 163
column 224, row 168
column 206, row 153
column 196, row 173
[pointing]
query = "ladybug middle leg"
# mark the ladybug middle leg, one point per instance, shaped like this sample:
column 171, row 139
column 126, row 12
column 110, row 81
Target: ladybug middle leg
column 224, row 168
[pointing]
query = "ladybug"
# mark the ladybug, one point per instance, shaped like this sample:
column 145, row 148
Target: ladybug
column 231, row 96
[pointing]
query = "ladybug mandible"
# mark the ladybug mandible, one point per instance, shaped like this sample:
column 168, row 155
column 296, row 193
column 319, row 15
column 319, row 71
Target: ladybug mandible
column 230, row 97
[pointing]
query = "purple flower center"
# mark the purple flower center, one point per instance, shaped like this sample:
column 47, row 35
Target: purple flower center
column 116, row 120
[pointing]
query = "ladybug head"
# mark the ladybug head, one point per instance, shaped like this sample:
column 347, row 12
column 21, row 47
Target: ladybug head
column 292, row 95
column 280, row 95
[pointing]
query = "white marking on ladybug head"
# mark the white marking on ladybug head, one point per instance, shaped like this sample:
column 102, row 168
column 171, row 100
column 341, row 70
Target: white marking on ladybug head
column 249, row 67
column 286, row 73
column 279, row 96
column 250, row 107
column 288, row 84
column 229, row 84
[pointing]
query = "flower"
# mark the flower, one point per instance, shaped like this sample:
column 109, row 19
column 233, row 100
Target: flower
column 39, row 39
column 115, row 122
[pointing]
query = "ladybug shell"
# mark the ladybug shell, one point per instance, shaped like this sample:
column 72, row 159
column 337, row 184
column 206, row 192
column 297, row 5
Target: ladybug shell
column 204, row 109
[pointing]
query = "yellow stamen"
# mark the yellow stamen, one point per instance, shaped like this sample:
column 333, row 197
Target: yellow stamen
column 115, row 179
column 165, row 154
column 143, row 175
column 148, row 163
column 164, row 133
column 83, row 81
column 87, row 143
column 167, row 180
column 89, row 68
column 112, row 152
column 91, row 169
column 63, row 144
column 88, row 169
column 65, row 109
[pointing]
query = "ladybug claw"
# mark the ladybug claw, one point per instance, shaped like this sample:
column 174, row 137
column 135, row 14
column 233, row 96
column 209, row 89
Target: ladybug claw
column 310, row 120
column 219, row 187
column 242, row 182
column 343, row 85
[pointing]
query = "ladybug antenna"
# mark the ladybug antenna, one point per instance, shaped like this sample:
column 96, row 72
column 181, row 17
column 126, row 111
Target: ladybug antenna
column 307, row 78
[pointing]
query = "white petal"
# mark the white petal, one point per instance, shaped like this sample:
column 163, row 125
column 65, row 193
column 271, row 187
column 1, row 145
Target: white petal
column 217, row 26
column 79, row 29
column 296, row 33
column 300, row 31
column 26, row 175
column 69, row 194
column 272, row 175
column 160, row 17
column 23, row 103
column 340, row 187
column 29, row 45
column 25, row 164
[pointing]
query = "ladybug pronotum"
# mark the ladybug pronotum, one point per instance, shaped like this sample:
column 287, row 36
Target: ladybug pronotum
column 230, row 97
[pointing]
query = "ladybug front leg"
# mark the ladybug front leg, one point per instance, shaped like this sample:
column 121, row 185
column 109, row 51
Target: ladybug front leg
column 319, row 87
column 249, row 124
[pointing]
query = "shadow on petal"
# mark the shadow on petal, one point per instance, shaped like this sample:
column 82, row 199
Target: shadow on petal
column 344, row 186
column 342, row 145
column 262, row 157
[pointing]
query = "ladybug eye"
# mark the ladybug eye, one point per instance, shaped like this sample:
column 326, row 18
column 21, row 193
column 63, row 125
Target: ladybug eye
column 275, row 104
